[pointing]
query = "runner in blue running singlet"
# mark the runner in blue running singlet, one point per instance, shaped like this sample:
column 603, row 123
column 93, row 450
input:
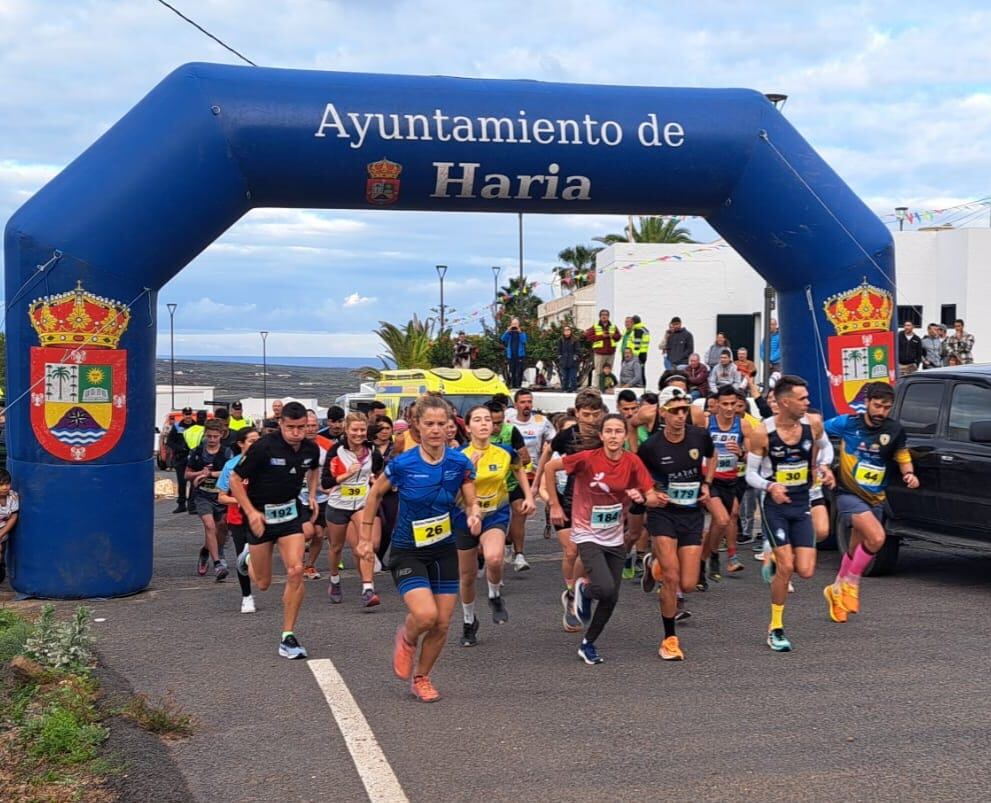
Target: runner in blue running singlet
column 424, row 561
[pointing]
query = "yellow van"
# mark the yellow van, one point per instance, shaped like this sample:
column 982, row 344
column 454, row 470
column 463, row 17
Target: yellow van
column 463, row 387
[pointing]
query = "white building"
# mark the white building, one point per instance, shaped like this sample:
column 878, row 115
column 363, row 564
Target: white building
column 714, row 289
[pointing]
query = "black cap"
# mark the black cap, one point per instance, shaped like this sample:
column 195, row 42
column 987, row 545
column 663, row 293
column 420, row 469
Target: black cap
column 187, row 410
column 236, row 406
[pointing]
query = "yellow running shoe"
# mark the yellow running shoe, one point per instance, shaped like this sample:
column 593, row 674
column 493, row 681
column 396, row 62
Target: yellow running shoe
column 850, row 596
column 670, row 650
column 836, row 610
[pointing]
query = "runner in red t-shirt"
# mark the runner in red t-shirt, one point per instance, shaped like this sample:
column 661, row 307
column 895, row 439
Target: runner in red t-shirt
column 605, row 482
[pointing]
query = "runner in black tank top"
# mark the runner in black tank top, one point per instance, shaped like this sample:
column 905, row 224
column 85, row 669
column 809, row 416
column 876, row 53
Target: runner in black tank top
column 782, row 463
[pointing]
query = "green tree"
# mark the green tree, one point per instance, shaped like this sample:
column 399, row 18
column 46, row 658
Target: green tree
column 578, row 269
column 655, row 229
column 518, row 299
column 408, row 346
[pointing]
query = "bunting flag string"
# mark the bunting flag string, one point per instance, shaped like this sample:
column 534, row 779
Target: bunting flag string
column 929, row 215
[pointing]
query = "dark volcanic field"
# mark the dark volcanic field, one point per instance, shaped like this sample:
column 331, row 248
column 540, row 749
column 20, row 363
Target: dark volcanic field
column 241, row 380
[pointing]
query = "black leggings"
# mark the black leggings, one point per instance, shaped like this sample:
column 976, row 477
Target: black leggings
column 388, row 511
column 604, row 565
column 181, row 481
column 239, row 535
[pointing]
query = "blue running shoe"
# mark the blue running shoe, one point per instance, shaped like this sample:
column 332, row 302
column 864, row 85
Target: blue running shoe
column 589, row 654
column 290, row 648
column 778, row 641
column 583, row 603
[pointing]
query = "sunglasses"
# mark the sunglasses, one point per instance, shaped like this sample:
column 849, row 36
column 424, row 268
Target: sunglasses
column 677, row 410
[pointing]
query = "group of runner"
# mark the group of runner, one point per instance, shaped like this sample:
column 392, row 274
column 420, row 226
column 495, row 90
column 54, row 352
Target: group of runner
column 437, row 498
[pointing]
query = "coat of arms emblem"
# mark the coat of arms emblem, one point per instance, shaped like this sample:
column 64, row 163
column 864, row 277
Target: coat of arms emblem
column 382, row 187
column 78, row 375
column 863, row 349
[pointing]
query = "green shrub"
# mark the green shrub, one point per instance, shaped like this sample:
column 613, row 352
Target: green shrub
column 14, row 633
column 62, row 645
column 59, row 736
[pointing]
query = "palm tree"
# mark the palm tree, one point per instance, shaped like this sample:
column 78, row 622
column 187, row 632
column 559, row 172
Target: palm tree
column 405, row 347
column 518, row 299
column 656, row 229
column 62, row 374
column 579, row 266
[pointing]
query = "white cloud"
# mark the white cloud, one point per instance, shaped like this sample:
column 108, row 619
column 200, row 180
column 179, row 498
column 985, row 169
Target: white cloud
column 357, row 300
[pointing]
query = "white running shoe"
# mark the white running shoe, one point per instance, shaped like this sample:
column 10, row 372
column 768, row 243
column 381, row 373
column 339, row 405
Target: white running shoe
column 507, row 554
column 248, row 604
column 378, row 565
column 519, row 563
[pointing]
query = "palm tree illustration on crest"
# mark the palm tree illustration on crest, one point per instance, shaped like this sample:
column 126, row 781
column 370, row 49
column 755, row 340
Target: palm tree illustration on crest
column 62, row 374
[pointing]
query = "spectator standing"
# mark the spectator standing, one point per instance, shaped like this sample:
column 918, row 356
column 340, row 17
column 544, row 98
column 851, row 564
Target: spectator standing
column 176, row 441
column 932, row 348
column 603, row 338
column 909, row 350
column 697, row 374
column 630, row 371
column 680, row 344
column 744, row 364
column 514, row 339
column 567, row 359
column 774, row 358
column 462, row 352
column 724, row 373
column 636, row 338
column 716, row 349
column 960, row 344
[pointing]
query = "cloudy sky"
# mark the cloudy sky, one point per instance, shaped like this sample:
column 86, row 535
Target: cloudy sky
column 895, row 95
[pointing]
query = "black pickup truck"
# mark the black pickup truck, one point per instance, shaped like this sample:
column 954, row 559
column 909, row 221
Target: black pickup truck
column 946, row 414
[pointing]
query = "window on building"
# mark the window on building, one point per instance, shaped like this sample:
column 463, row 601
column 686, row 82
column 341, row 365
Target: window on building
column 970, row 403
column 909, row 312
column 947, row 315
column 920, row 407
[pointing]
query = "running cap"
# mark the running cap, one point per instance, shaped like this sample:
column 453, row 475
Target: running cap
column 673, row 397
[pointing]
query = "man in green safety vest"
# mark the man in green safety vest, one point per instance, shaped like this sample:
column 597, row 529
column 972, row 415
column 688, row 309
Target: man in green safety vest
column 636, row 338
column 602, row 339
column 238, row 420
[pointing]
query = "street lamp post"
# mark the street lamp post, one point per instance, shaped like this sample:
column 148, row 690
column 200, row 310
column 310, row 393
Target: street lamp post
column 900, row 212
column 441, row 270
column 521, row 249
column 264, row 375
column 496, row 270
column 172, row 309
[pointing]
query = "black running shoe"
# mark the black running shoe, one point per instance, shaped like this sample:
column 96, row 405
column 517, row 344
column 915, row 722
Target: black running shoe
column 469, row 634
column 498, row 608
column 715, row 570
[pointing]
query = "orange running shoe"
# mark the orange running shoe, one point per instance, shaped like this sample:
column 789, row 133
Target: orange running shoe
column 833, row 599
column 850, row 596
column 310, row 573
column 670, row 649
column 403, row 655
column 423, row 690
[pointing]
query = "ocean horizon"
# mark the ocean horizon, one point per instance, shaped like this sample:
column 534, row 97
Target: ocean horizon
column 296, row 362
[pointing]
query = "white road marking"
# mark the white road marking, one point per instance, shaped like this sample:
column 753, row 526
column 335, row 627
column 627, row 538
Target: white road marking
column 373, row 768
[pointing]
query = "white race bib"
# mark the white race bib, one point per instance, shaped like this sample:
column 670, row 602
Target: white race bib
column 684, row 493
column 605, row 517
column 280, row 514
column 726, row 462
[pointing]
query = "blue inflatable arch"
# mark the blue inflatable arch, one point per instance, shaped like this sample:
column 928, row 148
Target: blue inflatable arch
column 86, row 256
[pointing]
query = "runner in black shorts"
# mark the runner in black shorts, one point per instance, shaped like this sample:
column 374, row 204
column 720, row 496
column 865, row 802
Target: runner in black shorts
column 589, row 411
column 266, row 486
column 203, row 468
column 674, row 457
column 782, row 463
column 424, row 558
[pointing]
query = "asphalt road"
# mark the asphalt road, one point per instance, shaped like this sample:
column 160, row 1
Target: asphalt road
column 893, row 705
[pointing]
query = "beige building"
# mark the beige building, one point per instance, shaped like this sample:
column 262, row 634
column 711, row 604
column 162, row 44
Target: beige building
column 579, row 306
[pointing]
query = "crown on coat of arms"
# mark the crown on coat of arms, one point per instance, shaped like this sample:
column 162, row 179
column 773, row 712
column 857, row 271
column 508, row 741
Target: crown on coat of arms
column 383, row 168
column 863, row 309
column 79, row 318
